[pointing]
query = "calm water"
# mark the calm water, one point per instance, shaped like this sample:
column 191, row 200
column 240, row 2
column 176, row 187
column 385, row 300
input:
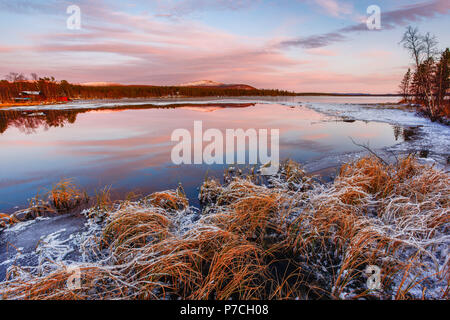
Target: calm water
column 129, row 149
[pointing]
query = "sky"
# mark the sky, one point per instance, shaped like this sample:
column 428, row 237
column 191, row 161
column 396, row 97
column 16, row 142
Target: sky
column 296, row 45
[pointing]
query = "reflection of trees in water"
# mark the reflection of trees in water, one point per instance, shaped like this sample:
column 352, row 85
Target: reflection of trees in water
column 407, row 133
column 397, row 132
column 29, row 121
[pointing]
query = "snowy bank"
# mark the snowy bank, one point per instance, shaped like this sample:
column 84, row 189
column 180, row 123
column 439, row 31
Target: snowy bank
column 430, row 137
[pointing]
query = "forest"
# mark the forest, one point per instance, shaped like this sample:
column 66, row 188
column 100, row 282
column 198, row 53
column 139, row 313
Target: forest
column 52, row 90
column 427, row 85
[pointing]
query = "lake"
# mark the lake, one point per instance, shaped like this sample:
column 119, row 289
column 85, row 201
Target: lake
column 129, row 147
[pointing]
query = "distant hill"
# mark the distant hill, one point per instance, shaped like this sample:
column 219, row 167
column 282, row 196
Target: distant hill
column 99, row 84
column 213, row 84
column 201, row 83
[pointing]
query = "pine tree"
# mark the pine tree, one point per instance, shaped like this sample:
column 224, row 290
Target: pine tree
column 405, row 86
column 442, row 79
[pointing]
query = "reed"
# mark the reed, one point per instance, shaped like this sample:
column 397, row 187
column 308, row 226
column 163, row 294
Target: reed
column 103, row 199
column 65, row 196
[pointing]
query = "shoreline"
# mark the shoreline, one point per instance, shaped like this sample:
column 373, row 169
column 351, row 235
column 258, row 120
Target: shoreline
column 32, row 104
column 188, row 98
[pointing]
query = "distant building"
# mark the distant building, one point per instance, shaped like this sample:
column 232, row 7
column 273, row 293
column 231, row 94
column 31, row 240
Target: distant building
column 29, row 96
column 30, row 93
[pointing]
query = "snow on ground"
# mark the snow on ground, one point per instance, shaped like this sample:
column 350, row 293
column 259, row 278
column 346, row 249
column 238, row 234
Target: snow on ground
column 431, row 136
column 96, row 104
column 30, row 243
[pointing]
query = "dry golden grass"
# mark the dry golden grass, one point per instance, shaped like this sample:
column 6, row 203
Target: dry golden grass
column 96, row 283
column 134, row 228
column 371, row 214
column 103, row 198
column 169, row 200
column 38, row 206
column 8, row 219
column 236, row 271
column 65, row 196
column 297, row 239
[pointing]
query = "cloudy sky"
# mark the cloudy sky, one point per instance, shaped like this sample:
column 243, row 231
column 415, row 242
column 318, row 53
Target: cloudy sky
column 301, row 45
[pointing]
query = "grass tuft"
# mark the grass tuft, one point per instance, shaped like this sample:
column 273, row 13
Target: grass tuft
column 65, row 196
column 294, row 239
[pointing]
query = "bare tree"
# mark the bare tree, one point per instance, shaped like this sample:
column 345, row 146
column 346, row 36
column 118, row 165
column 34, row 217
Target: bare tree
column 413, row 42
column 430, row 45
column 34, row 77
column 428, row 85
column 12, row 76
column 21, row 77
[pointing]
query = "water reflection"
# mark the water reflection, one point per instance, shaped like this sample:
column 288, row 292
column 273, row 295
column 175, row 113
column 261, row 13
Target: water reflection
column 29, row 121
column 129, row 147
column 406, row 133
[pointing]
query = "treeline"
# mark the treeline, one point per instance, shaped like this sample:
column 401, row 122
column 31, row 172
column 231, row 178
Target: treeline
column 51, row 90
column 117, row 92
column 428, row 83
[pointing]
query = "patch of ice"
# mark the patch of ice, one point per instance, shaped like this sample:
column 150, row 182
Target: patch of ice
column 433, row 137
column 21, row 226
column 123, row 102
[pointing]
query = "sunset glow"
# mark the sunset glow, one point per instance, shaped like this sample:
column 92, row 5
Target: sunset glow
column 302, row 45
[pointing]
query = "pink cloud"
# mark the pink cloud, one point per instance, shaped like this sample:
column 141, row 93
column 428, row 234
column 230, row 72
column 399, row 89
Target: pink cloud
column 390, row 20
column 154, row 52
column 6, row 49
column 128, row 48
column 182, row 7
column 334, row 7
column 376, row 54
column 322, row 52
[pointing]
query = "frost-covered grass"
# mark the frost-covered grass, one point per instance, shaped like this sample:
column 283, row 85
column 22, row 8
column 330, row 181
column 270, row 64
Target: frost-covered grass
column 289, row 238
column 395, row 217
column 62, row 198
